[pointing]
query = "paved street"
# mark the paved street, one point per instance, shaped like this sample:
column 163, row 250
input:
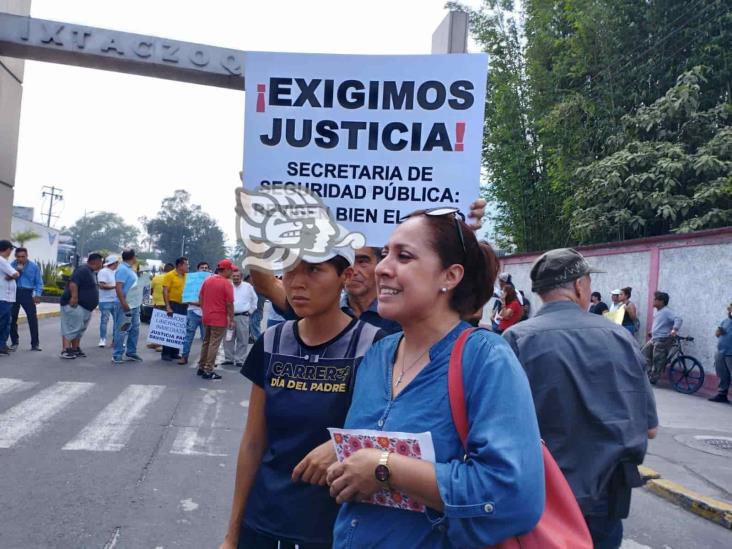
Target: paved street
column 142, row 455
column 98, row 456
column 682, row 453
column 694, row 444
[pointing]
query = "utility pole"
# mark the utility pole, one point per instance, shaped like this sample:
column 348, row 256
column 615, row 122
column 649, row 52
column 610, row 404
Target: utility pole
column 55, row 194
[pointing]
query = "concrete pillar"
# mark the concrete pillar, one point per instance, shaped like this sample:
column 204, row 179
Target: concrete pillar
column 11, row 90
column 451, row 35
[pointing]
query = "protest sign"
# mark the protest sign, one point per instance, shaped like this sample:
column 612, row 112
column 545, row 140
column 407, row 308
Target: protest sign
column 169, row 331
column 194, row 281
column 136, row 294
column 375, row 137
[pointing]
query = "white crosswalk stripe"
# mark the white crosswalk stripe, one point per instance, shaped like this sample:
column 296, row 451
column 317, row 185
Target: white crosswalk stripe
column 31, row 415
column 198, row 438
column 198, row 428
column 9, row 385
column 112, row 428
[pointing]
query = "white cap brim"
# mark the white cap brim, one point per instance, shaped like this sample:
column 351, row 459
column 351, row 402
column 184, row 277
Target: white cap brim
column 346, row 252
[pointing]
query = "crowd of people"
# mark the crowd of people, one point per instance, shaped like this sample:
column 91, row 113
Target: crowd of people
column 511, row 306
column 387, row 319
column 226, row 303
column 364, row 342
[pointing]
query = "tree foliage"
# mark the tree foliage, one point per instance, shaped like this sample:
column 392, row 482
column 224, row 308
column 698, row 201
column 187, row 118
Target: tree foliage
column 21, row 237
column 102, row 231
column 182, row 228
column 672, row 172
column 512, row 158
column 566, row 78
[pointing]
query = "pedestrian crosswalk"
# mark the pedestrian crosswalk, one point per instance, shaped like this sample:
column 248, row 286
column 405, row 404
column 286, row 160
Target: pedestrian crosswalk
column 196, row 432
column 8, row 385
column 198, row 439
column 32, row 415
column 113, row 426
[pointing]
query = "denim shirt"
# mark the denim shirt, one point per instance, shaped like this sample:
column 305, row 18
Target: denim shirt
column 497, row 492
column 30, row 277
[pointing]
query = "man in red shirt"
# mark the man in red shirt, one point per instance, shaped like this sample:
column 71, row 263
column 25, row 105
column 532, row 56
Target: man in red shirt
column 217, row 303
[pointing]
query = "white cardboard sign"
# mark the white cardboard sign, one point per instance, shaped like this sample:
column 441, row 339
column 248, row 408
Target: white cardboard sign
column 169, row 331
column 375, row 137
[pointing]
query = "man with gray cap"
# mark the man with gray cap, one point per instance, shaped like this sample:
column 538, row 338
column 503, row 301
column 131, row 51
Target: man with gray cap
column 594, row 404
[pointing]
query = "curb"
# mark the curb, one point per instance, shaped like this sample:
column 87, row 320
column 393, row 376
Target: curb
column 647, row 473
column 711, row 509
column 48, row 314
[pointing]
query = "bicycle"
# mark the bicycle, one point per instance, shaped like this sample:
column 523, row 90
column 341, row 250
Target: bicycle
column 685, row 372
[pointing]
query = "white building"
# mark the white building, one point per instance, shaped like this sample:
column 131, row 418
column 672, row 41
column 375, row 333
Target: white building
column 43, row 248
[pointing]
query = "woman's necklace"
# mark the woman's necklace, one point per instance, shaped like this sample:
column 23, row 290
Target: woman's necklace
column 412, row 365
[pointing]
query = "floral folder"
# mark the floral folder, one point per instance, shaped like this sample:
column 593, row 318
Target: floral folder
column 414, row 445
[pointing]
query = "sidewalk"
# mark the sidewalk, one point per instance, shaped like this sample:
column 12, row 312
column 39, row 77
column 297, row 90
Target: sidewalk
column 711, row 382
column 44, row 310
column 693, row 455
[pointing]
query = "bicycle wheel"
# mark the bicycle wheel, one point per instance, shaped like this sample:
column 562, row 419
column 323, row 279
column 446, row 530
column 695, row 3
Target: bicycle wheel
column 686, row 374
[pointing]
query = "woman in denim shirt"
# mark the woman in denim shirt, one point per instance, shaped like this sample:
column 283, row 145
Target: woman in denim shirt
column 433, row 273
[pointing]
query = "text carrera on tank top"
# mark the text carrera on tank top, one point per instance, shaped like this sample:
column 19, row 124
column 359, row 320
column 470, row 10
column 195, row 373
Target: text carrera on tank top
column 308, row 389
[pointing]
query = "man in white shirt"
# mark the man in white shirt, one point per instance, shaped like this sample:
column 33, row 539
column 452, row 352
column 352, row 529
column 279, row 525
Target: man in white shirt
column 245, row 303
column 8, row 287
column 107, row 295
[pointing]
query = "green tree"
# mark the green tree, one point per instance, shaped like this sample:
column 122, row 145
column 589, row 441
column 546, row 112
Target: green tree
column 577, row 93
column 672, row 171
column 564, row 78
column 527, row 213
column 102, row 231
column 21, row 237
column 182, row 228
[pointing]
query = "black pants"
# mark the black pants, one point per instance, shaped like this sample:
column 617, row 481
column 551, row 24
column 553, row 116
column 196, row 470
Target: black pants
column 24, row 298
column 606, row 532
column 251, row 539
column 179, row 309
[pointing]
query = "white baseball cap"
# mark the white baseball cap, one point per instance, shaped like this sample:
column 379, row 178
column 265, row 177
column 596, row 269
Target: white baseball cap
column 615, row 292
column 111, row 258
column 346, row 252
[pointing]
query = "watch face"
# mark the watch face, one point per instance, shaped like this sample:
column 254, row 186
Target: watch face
column 382, row 473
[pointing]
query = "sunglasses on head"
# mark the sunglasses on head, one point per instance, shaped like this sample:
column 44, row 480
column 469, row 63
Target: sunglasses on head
column 457, row 217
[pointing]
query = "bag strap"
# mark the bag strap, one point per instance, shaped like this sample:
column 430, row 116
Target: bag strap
column 456, row 389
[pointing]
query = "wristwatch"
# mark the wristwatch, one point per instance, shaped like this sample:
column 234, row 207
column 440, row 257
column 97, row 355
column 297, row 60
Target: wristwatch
column 382, row 472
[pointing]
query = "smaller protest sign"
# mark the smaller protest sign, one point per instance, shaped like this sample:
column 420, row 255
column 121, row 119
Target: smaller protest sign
column 136, row 294
column 194, row 281
column 169, row 331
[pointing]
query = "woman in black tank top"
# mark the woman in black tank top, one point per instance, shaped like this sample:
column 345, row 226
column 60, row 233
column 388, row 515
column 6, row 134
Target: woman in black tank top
column 302, row 375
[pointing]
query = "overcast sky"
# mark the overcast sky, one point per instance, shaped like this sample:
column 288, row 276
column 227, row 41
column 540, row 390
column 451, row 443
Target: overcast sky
column 122, row 143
